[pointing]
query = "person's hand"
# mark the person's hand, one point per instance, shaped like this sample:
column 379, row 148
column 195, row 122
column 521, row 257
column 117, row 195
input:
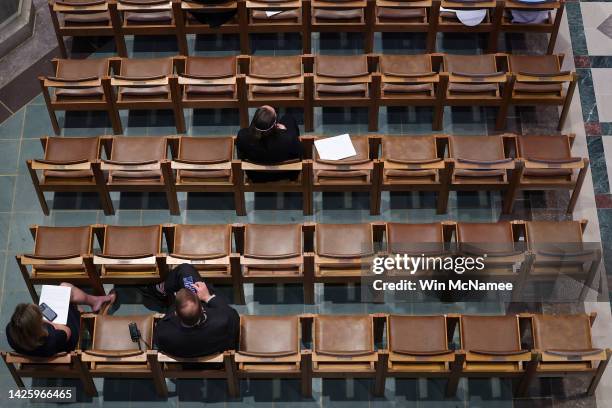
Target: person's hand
column 202, row 291
column 281, row 126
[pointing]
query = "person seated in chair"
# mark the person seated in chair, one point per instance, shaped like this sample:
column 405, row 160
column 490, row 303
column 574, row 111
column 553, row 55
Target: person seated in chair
column 27, row 333
column 201, row 322
column 269, row 140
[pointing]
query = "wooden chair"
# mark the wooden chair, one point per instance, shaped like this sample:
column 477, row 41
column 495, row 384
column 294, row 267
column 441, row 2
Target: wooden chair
column 344, row 347
column 60, row 366
column 113, row 354
column 481, row 163
column 61, row 254
column 147, row 83
column 143, row 17
column 490, row 347
column 539, row 80
column 560, row 251
column 209, row 249
column 139, row 164
column 130, row 255
column 69, row 165
column 564, row 346
column 205, row 164
column 546, row 163
column 477, row 80
column 188, row 24
column 417, row 346
column 270, row 348
column 82, row 18
column 446, row 21
column 414, row 163
column 505, row 256
column 211, row 83
column 272, row 254
column 291, row 17
column 332, row 16
column 79, row 85
column 354, row 173
column 347, row 81
column 402, row 16
column 278, row 81
column 410, row 80
column 553, row 8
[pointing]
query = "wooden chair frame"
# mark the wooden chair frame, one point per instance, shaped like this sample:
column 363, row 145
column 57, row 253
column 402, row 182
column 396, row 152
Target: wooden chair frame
column 401, row 26
column 88, row 277
column 271, row 26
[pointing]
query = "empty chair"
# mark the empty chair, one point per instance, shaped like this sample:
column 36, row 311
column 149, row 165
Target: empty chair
column 284, row 16
column 560, row 253
column 564, row 345
column 490, row 347
column 477, row 80
column 343, row 347
column 414, row 163
column 208, row 248
column 277, row 81
column 139, row 164
column 351, row 174
column 410, row 80
column 209, row 83
column 404, row 16
column 537, row 17
column 147, row 83
column 548, row 164
column 346, row 81
column 417, row 347
column 274, row 253
column 270, row 348
column 79, row 85
column 540, row 81
column 481, row 163
column 61, row 254
column 82, row 18
column 143, row 17
column 113, row 354
column 69, row 165
column 204, row 164
column 342, row 16
column 131, row 254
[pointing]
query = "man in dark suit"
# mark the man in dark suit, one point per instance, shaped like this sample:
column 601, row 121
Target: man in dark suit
column 201, row 322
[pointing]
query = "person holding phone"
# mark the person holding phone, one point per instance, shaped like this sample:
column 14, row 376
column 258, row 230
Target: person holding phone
column 200, row 323
column 28, row 333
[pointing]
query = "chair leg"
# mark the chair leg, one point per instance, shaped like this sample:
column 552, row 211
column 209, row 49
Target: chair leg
column 306, row 377
column 115, row 119
column 567, row 102
column 381, row 371
column 233, row 382
column 307, row 203
column 39, row 192
column 13, row 371
column 577, row 187
column 599, row 373
column 85, row 376
column 455, row 375
column 26, row 278
column 157, row 374
column 240, row 202
column 530, row 374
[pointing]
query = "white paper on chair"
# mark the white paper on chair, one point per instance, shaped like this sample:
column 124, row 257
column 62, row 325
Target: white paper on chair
column 58, row 299
column 335, row 148
column 273, row 13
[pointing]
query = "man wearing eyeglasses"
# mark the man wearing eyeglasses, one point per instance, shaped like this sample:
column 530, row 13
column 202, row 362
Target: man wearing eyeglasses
column 201, row 323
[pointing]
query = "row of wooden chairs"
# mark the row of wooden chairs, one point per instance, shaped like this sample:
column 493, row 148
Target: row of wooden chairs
column 522, row 347
column 440, row 163
column 517, row 252
column 118, row 18
column 308, row 81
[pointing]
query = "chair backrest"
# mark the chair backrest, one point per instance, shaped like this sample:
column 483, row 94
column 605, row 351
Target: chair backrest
column 562, row 332
column 344, row 240
column 490, row 334
column 202, row 240
column 111, row 333
column 417, row 334
column 120, row 240
column 343, row 335
column 269, row 336
column 268, row 241
column 63, row 241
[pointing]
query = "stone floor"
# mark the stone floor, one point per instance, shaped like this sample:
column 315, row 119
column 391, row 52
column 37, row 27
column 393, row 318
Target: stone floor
column 19, row 208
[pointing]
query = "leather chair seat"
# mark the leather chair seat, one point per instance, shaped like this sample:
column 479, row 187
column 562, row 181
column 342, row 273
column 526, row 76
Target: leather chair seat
column 490, row 333
column 152, row 91
column 486, row 237
column 405, row 149
column 271, row 90
column 410, row 15
column 137, row 149
column 132, row 241
column 286, row 16
column 562, row 332
column 146, row 67
column 346, row 15
column 268, row 336
column 545, row 148
column 77, row 176
column 160, row 17
column 537, row 88
column 78, row 19
column 202, row 240
column 488, row 89
column 112, row 334
column 543, row 232
column 422, row 89
column 268, row 241
column 216, row 91
column 122, row 176
column 418, row 239
column 548, row 173
column 476, row 148
column 349, row 90
column 81, row 69
column 343, row 335
column 410, row 176
column 71, row 93
column 61, row 241
column 331, row 240
column 484, row 176
column 210, row 67
column 276, row 67
column 342, row 177
column 211, row 150
column 201, row 176
column 417, row 334
column 70, row 149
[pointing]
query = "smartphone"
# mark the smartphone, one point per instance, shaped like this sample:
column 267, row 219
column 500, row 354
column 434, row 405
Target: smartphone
column 47, row 312
column 188, row 283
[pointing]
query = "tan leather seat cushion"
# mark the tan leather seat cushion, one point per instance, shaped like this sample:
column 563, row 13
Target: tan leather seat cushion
column 150, row 17
column 211, row 67
column 214, row 90
column 286, row 15
column 80, row 69
column 333, row 240
column 273, row 241
column 352, row 15
column 340, row 334
column 547, row 147
column 410, row 14
column 138, row 149
column 269, row 335
column 112, row 333
column 473, row 88
column 426, row 89
column 490, row 333
column 146, row 67
column 562, row 332
column 202, row 240
column 352, row 90
column 417, row 333
column 275, row 90
column 102, row 17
